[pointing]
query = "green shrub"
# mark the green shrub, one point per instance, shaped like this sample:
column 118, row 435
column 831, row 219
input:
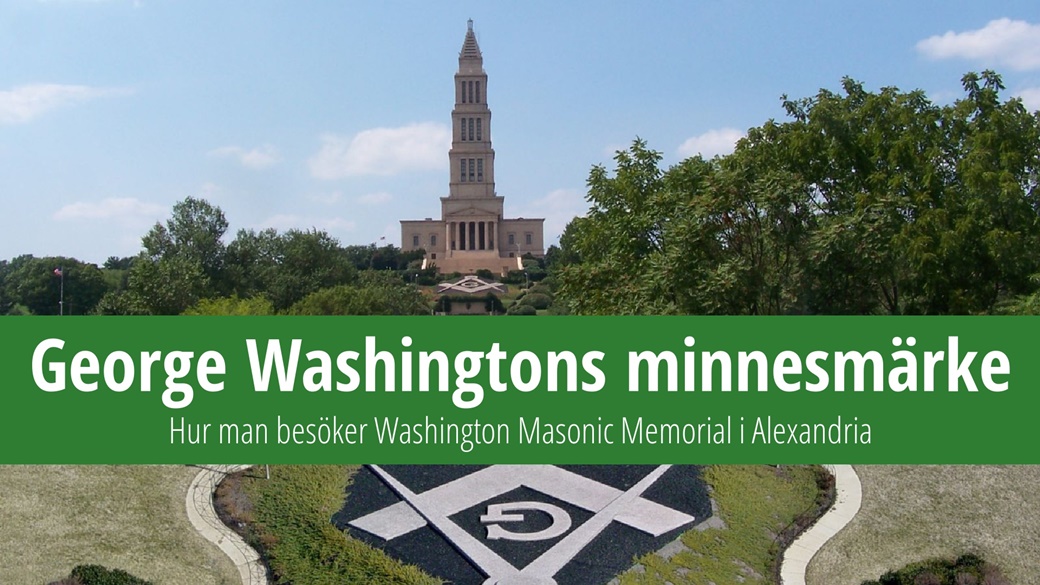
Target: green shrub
column 493, row 304
column 541, row 289
column 520, row 309
column 537, row 300
column 98, row 575
column 515, row 277
column 967, row 569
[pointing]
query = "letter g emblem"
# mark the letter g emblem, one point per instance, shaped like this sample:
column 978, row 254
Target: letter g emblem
column 561, row 521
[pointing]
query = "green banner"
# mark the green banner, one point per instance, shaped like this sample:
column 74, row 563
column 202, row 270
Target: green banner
column 509, row 390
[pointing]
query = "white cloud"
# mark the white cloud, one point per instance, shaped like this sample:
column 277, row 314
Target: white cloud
column 375, row 198
column 382, row 151
column 558, row 208
column 287, row 221
column 257, row 158
column 24, row 103
column 1003, row 42
column 209, row 190
column 713, row 142
column 1030, row 98
column 125, row 210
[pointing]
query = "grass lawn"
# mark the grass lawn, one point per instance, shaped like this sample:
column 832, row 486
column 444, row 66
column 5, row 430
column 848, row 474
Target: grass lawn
column 755, row 502
column 289, row 519
column 128, row 517
column 911, row 513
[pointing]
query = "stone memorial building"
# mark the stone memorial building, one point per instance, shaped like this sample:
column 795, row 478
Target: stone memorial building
column 473, row 232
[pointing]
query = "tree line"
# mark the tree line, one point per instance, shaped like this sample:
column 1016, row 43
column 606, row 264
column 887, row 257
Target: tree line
column 860, row 203
column 185, row 267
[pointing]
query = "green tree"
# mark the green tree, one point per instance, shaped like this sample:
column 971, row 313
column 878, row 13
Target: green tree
column 375, row 293
column 862, row 203
column 990, row 230
column 193, row 234
column 36, row 284
column 165, row 286
column 232, row 305
column 182, row 261
column 6, row 303
column 310, row 261
column 286, row 267
column 865, row 160
column 117, row 263
column 252, row 260
column 124, row 302
column 622, row 228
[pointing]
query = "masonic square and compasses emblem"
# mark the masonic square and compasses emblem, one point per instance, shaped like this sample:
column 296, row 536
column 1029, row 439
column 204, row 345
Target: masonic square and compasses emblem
column 531, row 524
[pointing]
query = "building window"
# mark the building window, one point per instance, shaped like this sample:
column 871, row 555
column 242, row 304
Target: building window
column 415, row 240
column 472, row 169
column 433, row 256
column 477, row 99
column 471, row 128
column 433, row 239
column 479, row 133
column 512, row 240
column 462, row 92
column 462, row 129
column 511, row 255
column 471, row 92
column 480, row 170
column 527, row 239
column 462, row 170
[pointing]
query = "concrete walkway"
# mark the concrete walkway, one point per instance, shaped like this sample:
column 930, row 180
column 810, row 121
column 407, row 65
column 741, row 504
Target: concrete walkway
column 848, row 496
column 203, row 517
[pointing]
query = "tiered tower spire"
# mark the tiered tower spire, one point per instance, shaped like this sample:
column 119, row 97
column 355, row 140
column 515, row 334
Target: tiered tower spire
column 473, row 233
column 472, row 158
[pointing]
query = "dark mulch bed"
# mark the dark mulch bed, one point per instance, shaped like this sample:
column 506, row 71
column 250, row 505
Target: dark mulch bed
column 610, row 553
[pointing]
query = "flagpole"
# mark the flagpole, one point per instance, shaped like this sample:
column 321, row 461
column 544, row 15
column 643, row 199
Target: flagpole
column 61, row 301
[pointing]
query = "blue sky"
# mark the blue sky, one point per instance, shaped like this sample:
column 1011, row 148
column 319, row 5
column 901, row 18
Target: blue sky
column 336, row 115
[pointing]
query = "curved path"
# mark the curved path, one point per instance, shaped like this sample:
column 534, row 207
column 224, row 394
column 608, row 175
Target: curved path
column 847, row 499
column 203, row 517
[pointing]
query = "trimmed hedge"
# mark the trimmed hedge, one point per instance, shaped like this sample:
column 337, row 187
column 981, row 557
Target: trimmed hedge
column 521, row 309
column 492, row 304
column 537, row 300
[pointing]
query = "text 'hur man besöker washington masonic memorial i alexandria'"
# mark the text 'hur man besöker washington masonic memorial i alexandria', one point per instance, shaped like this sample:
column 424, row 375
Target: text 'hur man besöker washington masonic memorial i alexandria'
column 473, row 232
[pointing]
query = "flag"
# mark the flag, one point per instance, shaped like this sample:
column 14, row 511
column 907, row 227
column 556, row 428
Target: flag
column 57, row 272
column 382, row 238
